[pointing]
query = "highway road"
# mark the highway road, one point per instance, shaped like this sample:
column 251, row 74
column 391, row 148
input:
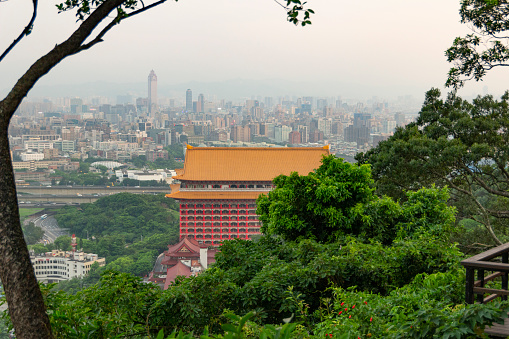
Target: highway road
column 50, row 227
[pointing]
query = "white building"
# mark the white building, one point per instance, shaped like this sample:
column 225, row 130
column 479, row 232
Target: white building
column 38, row 145
column 57, row 265
column 145, row 175
column 31, row 156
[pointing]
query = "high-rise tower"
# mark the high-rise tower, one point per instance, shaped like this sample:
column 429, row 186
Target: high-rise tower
column 189, row 100
column 152, row 92
column 201, row 103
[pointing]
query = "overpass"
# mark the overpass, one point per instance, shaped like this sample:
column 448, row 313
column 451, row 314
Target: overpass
column 51, row 195
column 91, row 190
column 46, row 200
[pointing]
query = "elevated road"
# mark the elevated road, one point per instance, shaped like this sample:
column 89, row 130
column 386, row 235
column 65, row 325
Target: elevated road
column 89, row 190
column 51, row 195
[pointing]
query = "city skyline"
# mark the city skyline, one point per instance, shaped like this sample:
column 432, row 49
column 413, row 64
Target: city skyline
column 352, row 49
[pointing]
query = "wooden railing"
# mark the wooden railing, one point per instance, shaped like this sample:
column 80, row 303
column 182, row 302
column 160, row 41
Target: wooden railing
column 482, row 264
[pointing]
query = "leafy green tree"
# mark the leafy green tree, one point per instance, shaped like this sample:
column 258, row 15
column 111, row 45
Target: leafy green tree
column 63, row 243
column 453, row 143
column 84, row 167
column 33, row 234
column 322, row 205
column 483, row 49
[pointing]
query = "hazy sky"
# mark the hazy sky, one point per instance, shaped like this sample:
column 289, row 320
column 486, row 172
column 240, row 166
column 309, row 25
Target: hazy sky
column 385, row 48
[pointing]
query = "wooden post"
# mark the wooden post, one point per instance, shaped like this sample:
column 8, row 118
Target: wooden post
column 505, row 257
column 469, row 286
column 480, row 277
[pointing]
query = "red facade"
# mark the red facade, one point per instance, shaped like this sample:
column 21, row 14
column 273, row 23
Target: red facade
column 211, row 221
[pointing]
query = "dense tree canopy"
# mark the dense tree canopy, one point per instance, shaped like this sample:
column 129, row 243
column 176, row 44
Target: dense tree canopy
column 321, row 205
column 337, row 201
column 486, row 47
column 453, row 143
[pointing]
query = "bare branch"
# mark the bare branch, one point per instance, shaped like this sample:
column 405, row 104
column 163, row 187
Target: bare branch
column 141, row 10
column 25, row 32
column 115, row 21
column 484, row 185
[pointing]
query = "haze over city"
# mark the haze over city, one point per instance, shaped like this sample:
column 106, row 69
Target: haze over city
column 237, row 49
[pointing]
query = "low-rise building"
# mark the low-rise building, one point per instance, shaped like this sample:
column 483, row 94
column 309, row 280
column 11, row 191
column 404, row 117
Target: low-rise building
column 56, row 265
column 31, row 156
column 185, row 258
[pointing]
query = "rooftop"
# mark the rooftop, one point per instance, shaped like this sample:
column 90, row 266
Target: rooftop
column 249, row 163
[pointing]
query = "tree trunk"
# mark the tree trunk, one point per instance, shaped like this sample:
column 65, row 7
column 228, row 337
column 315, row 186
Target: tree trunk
column 24, row 298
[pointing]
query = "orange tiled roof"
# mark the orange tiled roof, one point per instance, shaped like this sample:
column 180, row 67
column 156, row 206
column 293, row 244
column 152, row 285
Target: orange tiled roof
column 249, row 164
column 179, row 171
column 206, row 195
column 174, row 187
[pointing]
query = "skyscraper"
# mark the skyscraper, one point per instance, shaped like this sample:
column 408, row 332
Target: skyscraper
column 152, row 92
column 201, row 104
column 189, row 100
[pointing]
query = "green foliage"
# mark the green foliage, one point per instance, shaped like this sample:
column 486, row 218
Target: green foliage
column 429, row 307
column 295, row 9
column 322, row 205
column 256, row 276
column 78, row 178
column 129, row 230
column 485, row 48
column 84, row 167
column 142, row 162
column 24, row 212
column 144, row 183
column 63, row 243
column 116, row 307
column 33, row 234
column 175, row 151
column 453, row 143
column 337, row 201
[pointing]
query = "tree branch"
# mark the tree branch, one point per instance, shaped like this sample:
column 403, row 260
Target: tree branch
column 25, row 32
column 115, row 21
column 483, row 184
